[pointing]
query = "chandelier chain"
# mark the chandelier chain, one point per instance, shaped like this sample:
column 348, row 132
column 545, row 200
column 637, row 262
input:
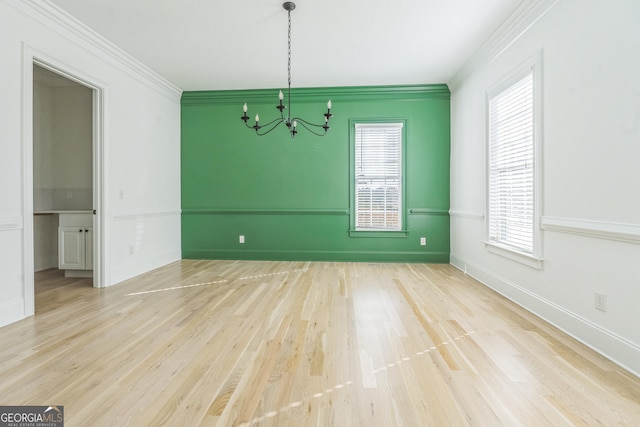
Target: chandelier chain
column 289, row 52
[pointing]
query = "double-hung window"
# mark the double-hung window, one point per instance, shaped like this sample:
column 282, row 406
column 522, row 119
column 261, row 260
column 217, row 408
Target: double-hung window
column 513, row 169
column 377, row 171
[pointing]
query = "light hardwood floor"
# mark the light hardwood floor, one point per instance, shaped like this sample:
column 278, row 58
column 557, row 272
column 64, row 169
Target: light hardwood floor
column 297, row 344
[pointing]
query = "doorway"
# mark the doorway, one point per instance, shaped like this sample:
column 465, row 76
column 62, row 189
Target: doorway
column 63, row 176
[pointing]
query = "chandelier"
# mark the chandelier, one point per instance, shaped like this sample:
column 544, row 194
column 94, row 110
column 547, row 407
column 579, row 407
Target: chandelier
column 291, row 122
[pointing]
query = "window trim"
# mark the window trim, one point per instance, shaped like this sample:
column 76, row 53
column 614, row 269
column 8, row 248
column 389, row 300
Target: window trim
column 353, row 231
column 533, row 259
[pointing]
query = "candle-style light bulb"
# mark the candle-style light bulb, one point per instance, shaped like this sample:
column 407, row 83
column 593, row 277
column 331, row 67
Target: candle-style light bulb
column 295, row 123
column 257, row 118
column 244, row 107
column 281, row 96
column 329, row 105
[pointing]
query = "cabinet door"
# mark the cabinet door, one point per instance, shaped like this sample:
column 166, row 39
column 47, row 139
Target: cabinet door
column 71, row 248
column 88, row 248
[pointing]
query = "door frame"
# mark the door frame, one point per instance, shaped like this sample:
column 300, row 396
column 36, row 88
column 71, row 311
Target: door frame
column 33, row 57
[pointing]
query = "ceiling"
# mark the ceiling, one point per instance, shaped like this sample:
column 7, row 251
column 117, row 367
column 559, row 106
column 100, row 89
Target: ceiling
column 242, row 44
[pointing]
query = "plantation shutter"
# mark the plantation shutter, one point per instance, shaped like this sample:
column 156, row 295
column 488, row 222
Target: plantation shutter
column 378, row 170
column 511, row 177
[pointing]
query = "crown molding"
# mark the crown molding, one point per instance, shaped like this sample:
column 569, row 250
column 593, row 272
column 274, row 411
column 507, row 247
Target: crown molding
column 58, row 20
column 525, row 16
column 341, row 93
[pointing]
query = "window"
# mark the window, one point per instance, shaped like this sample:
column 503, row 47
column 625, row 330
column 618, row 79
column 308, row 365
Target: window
column 377, row 176
column 512, row 164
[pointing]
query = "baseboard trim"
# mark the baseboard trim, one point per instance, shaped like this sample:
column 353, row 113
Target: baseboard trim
column 303, row 255
column 11, row 311
column 614, row 347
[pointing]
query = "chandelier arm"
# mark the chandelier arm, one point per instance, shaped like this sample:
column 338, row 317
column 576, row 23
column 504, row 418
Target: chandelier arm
column 277, row 121
column 272, row 122
column 267, row 125
column 306, row 125
column 261, row 126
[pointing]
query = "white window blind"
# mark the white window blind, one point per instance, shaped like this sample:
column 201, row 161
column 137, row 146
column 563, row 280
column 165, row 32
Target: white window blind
column 378, row 176
column 511, row 168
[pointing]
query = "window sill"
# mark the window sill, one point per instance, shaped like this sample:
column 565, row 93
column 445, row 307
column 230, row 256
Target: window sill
column 512, row 254
column 378, row 233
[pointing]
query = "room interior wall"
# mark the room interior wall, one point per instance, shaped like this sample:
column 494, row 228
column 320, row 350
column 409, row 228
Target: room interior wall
column 44, row 226
column 591, row 211
column 72, row 153
column 288, row 197
column 141, row 148
column 43, row 138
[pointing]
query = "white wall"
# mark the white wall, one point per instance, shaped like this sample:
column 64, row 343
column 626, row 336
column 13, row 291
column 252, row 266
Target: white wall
column 42, row 146
column 72, row 153
column 591, row 201
column 62, row 147
column 45, row 242
column 141, row 144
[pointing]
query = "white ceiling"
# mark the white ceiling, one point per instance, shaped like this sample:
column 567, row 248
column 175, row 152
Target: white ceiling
column 242, row 44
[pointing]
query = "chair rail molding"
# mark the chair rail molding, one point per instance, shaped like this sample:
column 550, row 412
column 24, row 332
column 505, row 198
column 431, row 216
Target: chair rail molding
column 131, row 215
column 261, row 211
column 459, row 213
column 622, row 232
column 10, row 223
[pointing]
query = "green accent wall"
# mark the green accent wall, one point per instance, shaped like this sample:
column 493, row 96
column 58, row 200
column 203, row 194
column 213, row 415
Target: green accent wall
column 290, row 197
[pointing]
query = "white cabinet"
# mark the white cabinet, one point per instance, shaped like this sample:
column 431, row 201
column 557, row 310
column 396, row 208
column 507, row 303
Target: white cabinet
column 75, row 244
column 76, row 248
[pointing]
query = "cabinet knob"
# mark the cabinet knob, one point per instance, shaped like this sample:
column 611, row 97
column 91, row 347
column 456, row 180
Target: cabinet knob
column 80, row 230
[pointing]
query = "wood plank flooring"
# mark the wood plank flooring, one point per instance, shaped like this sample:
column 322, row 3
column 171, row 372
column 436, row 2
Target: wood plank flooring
column 303, row 344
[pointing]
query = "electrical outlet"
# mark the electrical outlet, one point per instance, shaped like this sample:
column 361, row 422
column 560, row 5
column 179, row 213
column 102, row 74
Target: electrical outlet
column 241, row 239
column 69, row 195
column 601, row 302
column 423, row 241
